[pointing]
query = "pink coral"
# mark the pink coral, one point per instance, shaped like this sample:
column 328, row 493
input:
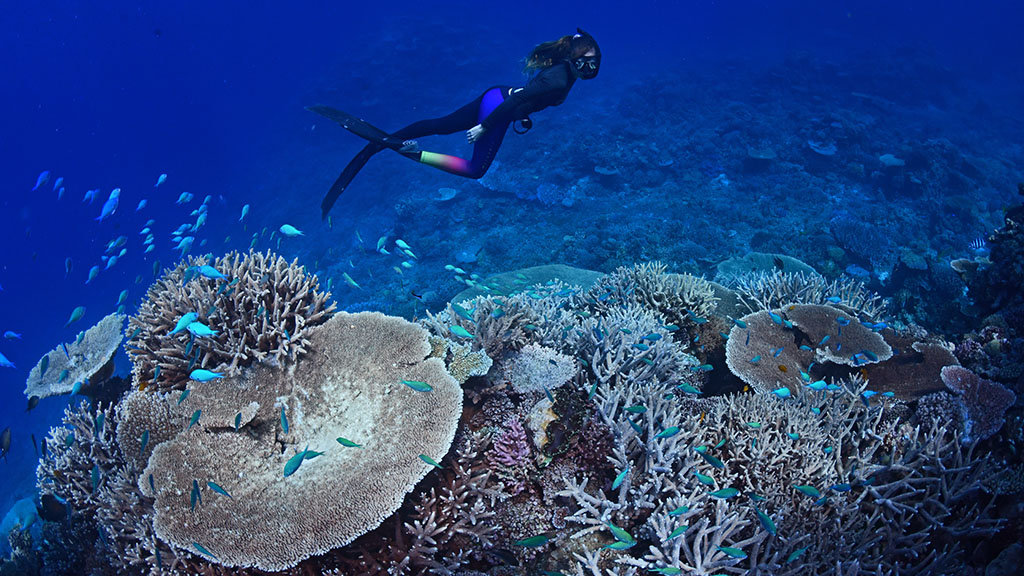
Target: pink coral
column 986, row 400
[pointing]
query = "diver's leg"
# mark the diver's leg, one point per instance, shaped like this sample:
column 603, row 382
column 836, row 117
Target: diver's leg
column 347, row 175
column 485, row 148
column 462, row 119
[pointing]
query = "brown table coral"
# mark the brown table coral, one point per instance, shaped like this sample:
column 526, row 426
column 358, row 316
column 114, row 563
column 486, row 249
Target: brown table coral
column 348, row 385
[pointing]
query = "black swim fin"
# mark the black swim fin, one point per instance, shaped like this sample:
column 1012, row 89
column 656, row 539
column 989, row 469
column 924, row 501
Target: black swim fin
column 357, row 126
column 346, row 177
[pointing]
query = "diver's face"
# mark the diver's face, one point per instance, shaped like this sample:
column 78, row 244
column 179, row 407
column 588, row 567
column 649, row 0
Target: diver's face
column 587, row 65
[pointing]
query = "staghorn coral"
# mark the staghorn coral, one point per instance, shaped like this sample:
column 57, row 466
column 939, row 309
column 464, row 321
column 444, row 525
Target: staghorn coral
column 766, row 290
column 535, row 368
column 348, row 384
column 447, row 524
column 986, row 401
column 89, row 360
column 892, row 493
column 673, row 296
column 262, row 309
column 769, row 349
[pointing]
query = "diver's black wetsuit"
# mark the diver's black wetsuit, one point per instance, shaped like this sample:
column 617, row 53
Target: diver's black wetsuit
column 495, row 110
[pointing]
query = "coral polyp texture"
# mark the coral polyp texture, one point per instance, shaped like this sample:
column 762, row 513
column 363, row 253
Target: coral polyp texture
column 259, row 305
column 300, row 479
column 88, row 360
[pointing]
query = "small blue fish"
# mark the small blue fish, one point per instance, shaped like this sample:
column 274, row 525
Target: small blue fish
column 808, row 490
column 775, row 353
column 208, row 271
column 739, row 323
column 725, row 493
column 755, row 359
column 843, row 321
column 284, row 420
column 781, row 392
column 204, row 375
column 834, row 299
column 533, row 541
column 194, row 419
column 293, row 463
column 817, row 385
column 216, row 488
column 460, row 331
column 5, row 363
column 823, row 340
column 184, row 321
column 110, row 206
column 203, row 551
column 793, row 435
column 766, row 521
column 706, row 480
column 183, row 396
column 95, row 477
column 43, row 178
column 668, row 432
column 417, row 385
column 679, row 511
column 620, row 478
column 796, row 554
column 196, row 496
column 715, row 462
column 840, row 487
column 12, row 335
column 430, row 461
column 775, row 317
column 732, row 552
column 143, row 442
column 200, row 330
column 652, row 337
column 75, row 388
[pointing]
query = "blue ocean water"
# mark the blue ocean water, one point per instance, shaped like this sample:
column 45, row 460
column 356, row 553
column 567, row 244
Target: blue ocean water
column 697, row 142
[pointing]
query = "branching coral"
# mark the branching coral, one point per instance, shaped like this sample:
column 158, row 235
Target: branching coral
column 839, row 482
column 88, row 360
column 673, row 296
column 262, row 308
column 771, row 290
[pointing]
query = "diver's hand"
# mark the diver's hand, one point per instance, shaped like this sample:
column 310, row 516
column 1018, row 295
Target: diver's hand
column 474, row 133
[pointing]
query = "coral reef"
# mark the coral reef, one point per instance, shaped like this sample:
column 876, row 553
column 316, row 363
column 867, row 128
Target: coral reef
column 88, row 360
column 260, row 308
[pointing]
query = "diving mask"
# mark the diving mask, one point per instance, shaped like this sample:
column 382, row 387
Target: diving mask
column 586, row 66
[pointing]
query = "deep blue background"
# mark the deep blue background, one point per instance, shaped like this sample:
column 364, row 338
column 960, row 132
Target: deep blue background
column 111, row 95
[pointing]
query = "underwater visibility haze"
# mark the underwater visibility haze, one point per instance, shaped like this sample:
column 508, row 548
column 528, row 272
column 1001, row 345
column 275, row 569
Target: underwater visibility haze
column 577, row 288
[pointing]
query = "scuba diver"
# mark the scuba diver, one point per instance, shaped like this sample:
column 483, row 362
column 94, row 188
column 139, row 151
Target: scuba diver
column 557, row 63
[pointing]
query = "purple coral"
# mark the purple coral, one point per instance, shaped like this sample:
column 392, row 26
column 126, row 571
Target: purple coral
column 511, row 448
column 510, row 456
column 986, row 400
